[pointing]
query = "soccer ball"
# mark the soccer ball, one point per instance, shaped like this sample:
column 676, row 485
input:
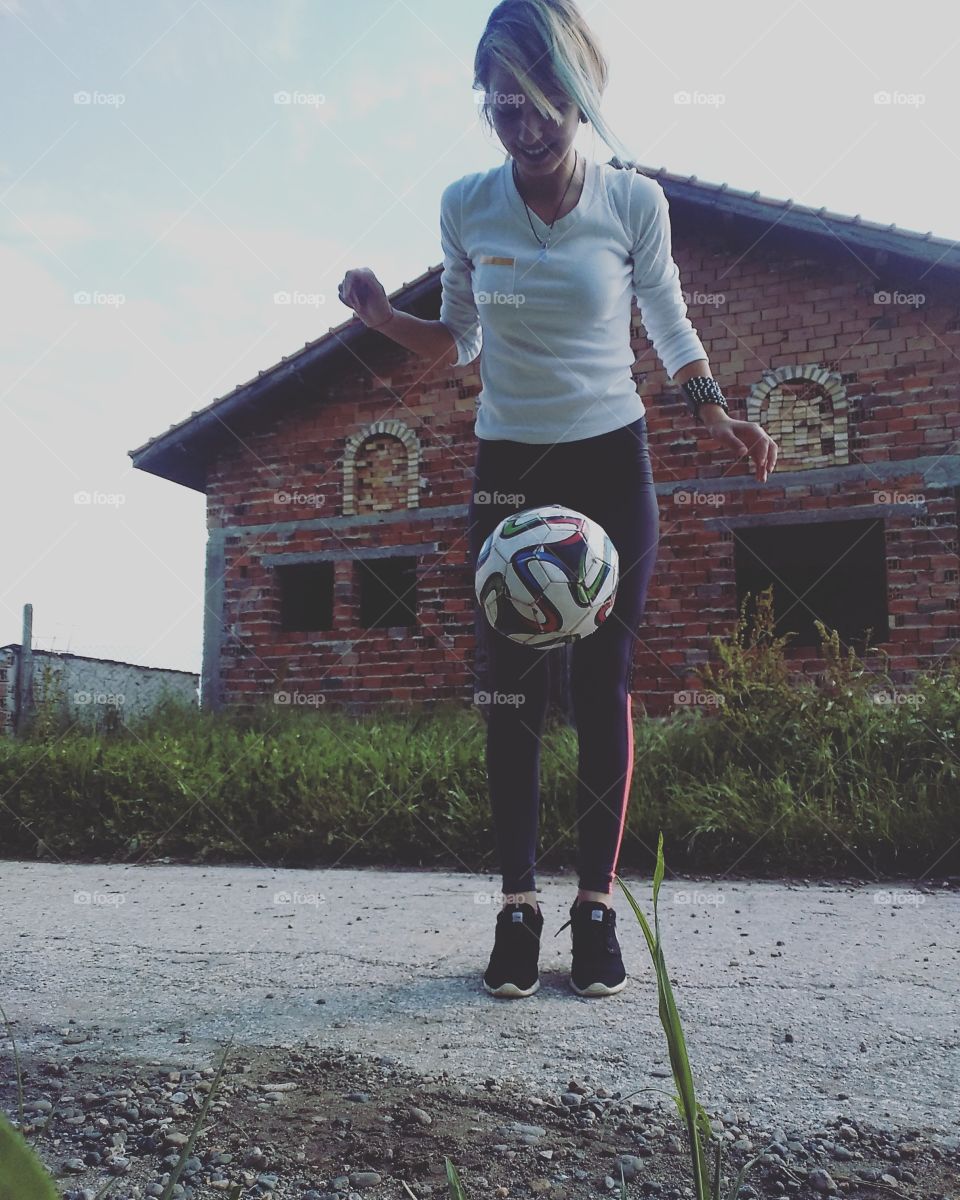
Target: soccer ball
column 546, row 576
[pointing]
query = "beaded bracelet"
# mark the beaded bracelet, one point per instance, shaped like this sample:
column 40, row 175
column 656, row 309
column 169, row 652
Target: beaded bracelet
column 700, row 390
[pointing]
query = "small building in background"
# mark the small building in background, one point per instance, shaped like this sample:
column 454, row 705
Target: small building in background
column 93, row 692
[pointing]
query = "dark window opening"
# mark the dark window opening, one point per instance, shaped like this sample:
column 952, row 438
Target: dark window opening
column 834, row 571
column 388, row 591
column 306, row 596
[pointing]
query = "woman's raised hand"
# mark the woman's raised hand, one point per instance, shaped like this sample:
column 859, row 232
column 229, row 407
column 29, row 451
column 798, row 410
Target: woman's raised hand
column 743, row 438
column 362, row 291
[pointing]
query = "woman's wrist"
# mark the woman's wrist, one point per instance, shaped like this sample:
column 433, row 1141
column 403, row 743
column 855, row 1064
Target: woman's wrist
column 703, row 395
column 381, row 324
column 713, row 414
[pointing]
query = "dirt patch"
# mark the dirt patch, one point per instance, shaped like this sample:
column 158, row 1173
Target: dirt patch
column 309, row 1123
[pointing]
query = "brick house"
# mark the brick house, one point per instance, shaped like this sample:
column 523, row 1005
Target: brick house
column 337, row 481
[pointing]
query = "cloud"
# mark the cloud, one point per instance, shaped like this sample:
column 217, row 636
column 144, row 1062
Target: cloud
column 367, row 91
column 287, row 36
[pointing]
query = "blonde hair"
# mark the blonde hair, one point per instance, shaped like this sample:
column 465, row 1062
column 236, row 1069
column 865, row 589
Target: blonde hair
column 546, row 44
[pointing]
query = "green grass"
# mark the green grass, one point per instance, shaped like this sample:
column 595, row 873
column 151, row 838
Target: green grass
column 693, row 1114
column 781, row 775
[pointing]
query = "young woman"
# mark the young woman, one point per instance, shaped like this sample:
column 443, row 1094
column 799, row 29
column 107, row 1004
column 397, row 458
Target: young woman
column 541, row 257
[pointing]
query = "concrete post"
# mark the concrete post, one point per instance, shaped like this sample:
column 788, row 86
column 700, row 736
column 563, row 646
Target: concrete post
column 24, row 700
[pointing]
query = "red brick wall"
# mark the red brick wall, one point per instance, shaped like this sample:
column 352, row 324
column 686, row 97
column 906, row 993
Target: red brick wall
column 896, row 367
column 304, row 456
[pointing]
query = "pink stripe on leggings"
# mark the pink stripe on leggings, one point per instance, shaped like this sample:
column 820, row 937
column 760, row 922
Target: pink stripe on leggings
column 626, row 785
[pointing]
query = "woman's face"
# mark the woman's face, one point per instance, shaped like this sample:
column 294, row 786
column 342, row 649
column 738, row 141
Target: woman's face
column 521, row 127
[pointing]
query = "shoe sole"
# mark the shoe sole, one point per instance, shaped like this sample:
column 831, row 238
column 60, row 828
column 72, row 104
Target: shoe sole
column 511, row 990
column 599, row 989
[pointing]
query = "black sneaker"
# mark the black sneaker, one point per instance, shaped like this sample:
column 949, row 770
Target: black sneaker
column 512, row 970
column 597, row 968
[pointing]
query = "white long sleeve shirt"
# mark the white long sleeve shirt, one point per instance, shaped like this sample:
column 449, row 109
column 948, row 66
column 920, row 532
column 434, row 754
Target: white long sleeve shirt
column 555, row 330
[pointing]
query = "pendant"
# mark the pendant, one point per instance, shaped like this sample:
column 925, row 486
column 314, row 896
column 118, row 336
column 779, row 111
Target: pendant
column 543, row 254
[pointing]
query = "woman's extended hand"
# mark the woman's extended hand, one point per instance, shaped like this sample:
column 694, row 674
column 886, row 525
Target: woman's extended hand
column 743, row 437
column 362, row 291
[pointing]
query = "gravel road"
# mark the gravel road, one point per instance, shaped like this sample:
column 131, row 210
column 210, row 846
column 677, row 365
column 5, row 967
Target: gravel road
column 800, row 1000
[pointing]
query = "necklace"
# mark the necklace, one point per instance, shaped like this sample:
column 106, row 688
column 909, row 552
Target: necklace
column 544, row 245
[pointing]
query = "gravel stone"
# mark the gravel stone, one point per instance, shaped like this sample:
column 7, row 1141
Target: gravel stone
column 821, row 1180
column 365, row 1179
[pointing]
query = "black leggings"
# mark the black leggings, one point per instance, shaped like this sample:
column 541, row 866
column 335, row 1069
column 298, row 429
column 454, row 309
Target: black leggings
column 608, row 478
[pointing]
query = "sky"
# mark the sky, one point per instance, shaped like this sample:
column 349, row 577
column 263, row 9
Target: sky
column 157, row 192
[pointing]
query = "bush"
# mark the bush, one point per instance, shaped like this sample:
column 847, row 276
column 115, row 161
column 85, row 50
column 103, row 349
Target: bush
column 786, row 775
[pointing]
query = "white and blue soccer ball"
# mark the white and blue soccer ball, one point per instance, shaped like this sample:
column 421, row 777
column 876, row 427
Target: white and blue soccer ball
column 547, row 575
